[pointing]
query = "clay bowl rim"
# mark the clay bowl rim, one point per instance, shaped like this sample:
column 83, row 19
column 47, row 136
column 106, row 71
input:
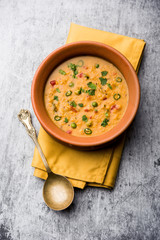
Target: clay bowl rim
column 86, row 141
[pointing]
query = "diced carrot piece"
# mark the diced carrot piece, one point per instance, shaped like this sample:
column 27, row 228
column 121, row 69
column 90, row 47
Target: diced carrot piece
column 113, row 107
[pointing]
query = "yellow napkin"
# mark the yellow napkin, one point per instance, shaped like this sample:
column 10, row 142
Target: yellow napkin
column 94, row 168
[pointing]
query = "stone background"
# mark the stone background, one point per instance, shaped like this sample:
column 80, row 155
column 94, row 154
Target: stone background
column 29, row 31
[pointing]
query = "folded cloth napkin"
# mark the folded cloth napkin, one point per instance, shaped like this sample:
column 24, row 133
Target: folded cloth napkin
column 94, row 168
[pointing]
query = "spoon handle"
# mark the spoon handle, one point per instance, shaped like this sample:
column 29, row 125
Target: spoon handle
column 25, row 117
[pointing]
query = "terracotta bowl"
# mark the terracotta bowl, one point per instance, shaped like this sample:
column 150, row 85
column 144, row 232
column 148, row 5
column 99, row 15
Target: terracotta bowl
column 78, row 49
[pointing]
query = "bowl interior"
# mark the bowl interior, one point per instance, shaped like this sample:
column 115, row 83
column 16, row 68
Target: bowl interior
column 78, row 49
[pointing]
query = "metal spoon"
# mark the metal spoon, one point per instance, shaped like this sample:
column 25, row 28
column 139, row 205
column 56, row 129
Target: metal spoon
column 58, row 193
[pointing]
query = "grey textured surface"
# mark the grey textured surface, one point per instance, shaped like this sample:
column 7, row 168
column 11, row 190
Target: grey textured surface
column 29, row 31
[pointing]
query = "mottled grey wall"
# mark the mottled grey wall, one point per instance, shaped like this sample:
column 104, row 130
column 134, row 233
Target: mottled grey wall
column 29, row 31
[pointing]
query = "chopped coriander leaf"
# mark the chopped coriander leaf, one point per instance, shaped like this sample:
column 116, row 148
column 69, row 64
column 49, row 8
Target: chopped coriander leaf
column 72, row 66
column 105, row 122
column 84, row 118
column 117, row 96
column 75, row 72
column 66, row 120
column 109, row 85
column 91, row 92
column 56, row 98
column 80, row 104
column 82, row 90
column 68, row 93
column 73, row 104
column 71, row 84
column 91, row 85
column 62, row 72
column 97, row 65
column 103, row 81
column 104, row 73
column 80, row 63
column 57, row 89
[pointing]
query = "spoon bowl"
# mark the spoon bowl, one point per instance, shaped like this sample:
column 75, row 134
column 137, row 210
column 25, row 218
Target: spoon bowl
column 58, row 192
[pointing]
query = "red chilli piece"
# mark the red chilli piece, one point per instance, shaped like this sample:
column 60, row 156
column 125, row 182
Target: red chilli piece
column 104, row 98
column 113, row 107
column 53, row 82
column 80, row 75
column 73, row 109
column 90, row 117
column 69, row 132
column 86, row 110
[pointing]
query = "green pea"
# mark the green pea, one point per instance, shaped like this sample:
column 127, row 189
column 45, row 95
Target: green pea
column 87, row 131
column 117, row 96
column 71, row 84
column 94, row 104
column 68, row 93
column 97, row 65
column 73, row 125
column 57, row 118
column 118, row 79
column 78, row 92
